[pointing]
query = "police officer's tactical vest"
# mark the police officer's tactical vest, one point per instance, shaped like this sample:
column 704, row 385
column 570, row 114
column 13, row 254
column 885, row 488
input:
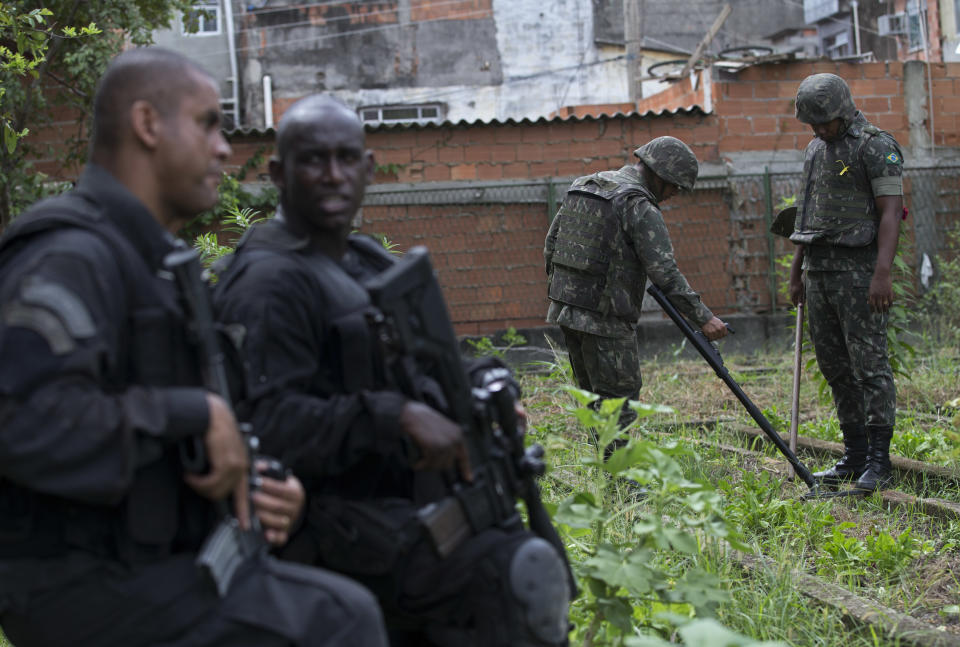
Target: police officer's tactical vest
column 346, row 305
column 837, row 206
column 159, row 514
column 592, row 266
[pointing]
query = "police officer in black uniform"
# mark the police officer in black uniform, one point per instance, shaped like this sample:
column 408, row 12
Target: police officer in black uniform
column 99, row 386
column 322, row 405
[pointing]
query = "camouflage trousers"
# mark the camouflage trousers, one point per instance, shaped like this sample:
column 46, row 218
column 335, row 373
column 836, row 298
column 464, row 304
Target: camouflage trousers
column 851, row 347
column 607, row 366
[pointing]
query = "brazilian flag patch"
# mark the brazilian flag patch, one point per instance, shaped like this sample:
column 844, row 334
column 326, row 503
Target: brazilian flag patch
column 893, row 158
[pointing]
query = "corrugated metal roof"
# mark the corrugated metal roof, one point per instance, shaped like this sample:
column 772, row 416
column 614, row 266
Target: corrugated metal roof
column 690, row 110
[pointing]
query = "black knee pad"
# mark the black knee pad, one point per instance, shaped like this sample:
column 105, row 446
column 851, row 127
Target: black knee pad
column 538, row 580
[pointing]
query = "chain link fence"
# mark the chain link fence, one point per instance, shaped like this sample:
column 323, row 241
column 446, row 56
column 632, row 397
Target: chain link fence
column 486, row 238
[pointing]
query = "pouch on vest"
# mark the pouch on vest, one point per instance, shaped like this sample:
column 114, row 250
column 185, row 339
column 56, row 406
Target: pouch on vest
column 585, row 236
column 362, row 537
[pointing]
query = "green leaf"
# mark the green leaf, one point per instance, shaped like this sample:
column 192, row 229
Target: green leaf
column 631, row 571
column 9, row 138
column 579, row 511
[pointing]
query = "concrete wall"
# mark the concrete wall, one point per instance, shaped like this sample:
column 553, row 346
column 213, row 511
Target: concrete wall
column 209, row 50
column 479, row 59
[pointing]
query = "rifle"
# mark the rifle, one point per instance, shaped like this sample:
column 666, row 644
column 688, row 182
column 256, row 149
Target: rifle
column 228, row 546
column 417, row 336
column 712, row 355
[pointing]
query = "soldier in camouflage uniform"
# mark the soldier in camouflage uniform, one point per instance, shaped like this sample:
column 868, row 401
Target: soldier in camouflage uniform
column 606, row 240
column 846, row 228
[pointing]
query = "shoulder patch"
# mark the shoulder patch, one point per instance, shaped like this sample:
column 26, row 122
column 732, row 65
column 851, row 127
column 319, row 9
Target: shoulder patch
column 61, row 301
column 893, row 158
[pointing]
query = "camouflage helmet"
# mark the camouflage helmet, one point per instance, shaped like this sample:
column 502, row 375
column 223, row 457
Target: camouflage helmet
column 822, row 98
column 671, row 160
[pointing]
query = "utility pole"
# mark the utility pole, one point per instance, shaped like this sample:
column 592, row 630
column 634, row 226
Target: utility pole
column 632, row 36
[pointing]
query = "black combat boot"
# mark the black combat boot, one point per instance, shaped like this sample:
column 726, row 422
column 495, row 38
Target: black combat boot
column 853, row 462
column 879, row 474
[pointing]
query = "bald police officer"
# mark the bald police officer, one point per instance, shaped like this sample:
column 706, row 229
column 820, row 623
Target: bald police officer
column 847, row 225
column 99, row 384
column 607, row 238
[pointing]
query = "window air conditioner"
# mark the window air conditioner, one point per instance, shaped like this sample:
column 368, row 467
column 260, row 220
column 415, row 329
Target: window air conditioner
column 892, row 24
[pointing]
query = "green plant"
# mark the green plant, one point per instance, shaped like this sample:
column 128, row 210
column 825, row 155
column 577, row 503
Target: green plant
column 938, row 311
column 635, row 570
column 485, row 347
column 234, row 223
column 235, row 197
column 52, row 54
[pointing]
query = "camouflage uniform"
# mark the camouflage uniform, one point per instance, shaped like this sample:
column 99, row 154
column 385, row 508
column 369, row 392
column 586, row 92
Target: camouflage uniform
column 837, row 220
column 607, row 238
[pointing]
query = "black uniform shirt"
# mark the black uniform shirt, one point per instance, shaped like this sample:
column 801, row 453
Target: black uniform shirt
column 69, row 424
column 336, row 439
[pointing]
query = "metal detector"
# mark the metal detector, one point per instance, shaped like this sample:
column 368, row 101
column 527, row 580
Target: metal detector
column 713, row 358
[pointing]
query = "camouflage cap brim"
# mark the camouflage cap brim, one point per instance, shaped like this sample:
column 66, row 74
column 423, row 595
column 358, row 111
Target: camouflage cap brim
column 782, row 224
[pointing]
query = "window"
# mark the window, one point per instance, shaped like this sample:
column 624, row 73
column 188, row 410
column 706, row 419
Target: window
column 916, row 21
column 203, row 19
column 429, row 113
column 956, row 16
column 838, row 45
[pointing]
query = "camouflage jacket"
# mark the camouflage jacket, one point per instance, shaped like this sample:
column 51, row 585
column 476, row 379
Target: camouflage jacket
column 837, row 215
column 643, row 249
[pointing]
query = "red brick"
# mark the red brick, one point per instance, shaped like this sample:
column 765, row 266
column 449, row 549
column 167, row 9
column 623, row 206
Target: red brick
column 947, row 104
column 516, row 169
column 463, row 172
column 737, row 126
column 436, row 173
column 509, row 134
column 764, row 125
column 737, row 90
column 538, row 134
column 489, row 171
column 766, row 90
column 543, row 169
column 450, row 154
column 478, row 153
column 874, row 105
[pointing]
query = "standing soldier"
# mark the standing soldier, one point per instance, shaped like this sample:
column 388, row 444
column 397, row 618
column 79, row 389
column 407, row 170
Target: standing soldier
column 607, row 239
column 847, row 225
column 100, row 527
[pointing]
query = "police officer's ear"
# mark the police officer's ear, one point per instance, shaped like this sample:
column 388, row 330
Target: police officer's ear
column 276, row 172
column 371, row 165
column 145, row 123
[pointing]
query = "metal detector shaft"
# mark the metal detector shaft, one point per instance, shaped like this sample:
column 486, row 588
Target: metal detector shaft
column 709, row 353
column 797, row 361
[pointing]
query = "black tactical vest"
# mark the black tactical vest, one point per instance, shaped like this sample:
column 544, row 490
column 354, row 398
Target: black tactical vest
column 159, row 514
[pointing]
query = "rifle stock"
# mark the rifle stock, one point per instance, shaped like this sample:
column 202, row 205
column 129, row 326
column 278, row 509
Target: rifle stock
column 713, row 358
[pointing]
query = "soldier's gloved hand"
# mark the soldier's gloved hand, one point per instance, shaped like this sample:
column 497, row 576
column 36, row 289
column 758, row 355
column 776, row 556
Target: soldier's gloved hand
column 439, row 439
column 714, row 329
column 278, row 504
column 228, row 458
